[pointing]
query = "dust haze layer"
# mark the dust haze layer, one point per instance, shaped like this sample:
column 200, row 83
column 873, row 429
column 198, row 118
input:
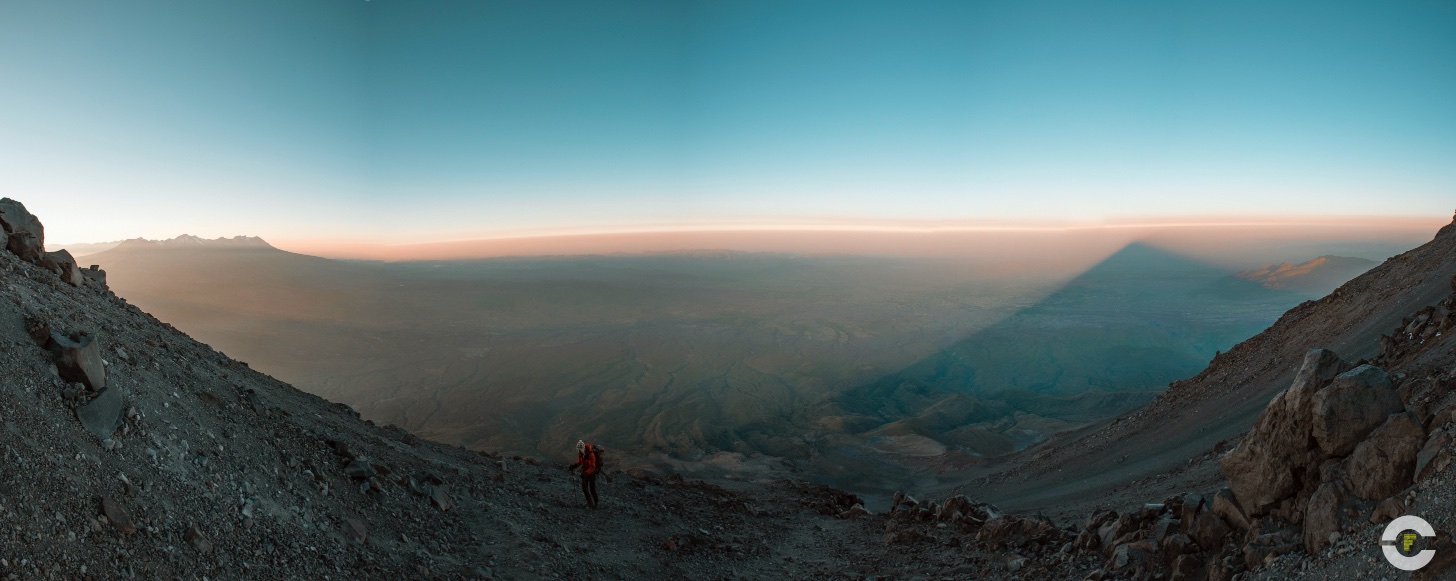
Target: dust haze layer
column 253, row 428
column 899, row 368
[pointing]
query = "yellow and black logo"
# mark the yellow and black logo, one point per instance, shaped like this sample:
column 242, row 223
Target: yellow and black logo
column 1405, row 540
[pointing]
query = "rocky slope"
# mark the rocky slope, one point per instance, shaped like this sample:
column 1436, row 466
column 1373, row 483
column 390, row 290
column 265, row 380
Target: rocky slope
column 133, row 451
column 861, row 373
column 1170, row 445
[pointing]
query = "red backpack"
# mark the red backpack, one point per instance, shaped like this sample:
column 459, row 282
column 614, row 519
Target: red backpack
column 591, row 462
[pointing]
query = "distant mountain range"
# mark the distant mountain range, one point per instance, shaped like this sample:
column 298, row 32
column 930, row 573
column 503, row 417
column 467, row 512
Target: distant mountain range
column 183, row 241
column 1316, row 278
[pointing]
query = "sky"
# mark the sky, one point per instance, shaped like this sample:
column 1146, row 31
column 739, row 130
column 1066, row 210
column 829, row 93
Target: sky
column 391, row 122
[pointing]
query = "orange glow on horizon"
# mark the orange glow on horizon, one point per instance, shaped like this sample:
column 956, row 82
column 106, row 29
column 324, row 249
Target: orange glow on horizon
column 910, row 237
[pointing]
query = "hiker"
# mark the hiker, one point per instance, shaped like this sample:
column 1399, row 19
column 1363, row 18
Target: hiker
column 589, row 459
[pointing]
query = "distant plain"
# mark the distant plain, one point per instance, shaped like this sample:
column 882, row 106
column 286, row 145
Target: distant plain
column 867, row 372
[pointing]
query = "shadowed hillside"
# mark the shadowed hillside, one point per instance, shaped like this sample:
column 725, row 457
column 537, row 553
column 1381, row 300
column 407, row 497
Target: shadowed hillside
column 1105, row 342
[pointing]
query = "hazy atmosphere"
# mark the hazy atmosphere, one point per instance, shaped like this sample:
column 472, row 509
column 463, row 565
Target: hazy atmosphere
column 310, row 289
column 322, row 126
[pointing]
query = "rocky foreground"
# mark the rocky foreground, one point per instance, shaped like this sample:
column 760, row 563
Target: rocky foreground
column 132, row 451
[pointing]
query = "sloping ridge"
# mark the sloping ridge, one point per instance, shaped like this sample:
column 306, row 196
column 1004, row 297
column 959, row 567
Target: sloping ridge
column 1165, row 446
column 158, row 457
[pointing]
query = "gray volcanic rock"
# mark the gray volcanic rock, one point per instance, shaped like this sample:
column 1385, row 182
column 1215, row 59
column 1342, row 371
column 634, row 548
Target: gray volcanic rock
column 1266, row 465
column 64, row 265
column 117, row 516
column 24, row 234
column 103, row 414
column 95, row 276
column 79, row 359
column 1352, row 406
column 1322, row 516
column 1320, row 367
column 1383, row 464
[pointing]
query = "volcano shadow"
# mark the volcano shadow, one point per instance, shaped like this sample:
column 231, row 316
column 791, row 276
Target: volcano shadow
column 1107, row 341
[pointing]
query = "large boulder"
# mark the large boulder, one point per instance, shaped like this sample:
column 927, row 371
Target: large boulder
column 24, row 234
column 1353, row 405
column 1266, row 465
column 78, row 359
column 1322, row 516
column 63, row 264
column 1383, row 464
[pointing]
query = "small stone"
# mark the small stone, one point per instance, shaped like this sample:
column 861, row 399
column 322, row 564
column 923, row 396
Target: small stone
column 1386, row 511
column 197, row 540
column 355, row 529
column 1016, row 564
column 441, row 498
column 116, row 515
column 359, row 470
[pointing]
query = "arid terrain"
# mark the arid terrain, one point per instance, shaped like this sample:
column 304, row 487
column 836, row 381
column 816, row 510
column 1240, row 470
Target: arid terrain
column 867, row 373
column 135, row 451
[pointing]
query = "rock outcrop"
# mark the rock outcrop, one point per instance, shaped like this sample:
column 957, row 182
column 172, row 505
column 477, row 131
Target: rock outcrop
column 1322, row 416
column 24, row 234
column 1340, row 444
column 64, row 265
column 1273, row 459
column 95, row 276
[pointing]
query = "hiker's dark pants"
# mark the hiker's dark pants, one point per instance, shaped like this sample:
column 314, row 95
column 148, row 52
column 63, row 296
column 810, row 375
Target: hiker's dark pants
column 589, row 488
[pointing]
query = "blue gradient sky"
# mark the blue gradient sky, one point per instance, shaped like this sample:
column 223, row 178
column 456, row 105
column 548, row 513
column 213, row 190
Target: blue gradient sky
column 396, row 122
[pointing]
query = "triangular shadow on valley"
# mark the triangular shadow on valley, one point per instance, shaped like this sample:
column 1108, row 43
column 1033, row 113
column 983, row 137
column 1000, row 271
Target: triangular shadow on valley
column 1106, row 341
